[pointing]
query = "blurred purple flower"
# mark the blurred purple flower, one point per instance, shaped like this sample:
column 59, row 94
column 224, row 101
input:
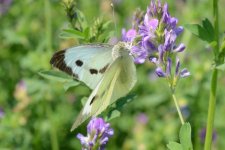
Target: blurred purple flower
column 98, row 135
column 142, row 118
column 2, row 113
column 4, row 6
column 202, row 135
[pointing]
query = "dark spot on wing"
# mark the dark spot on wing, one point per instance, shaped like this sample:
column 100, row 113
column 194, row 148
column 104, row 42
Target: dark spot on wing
column 93, row 71
column 57, row 61
column 103, row 69
column 79, row 63
column 92, row 100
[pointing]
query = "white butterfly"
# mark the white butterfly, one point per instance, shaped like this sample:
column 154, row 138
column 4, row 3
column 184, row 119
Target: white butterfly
column 108, row 70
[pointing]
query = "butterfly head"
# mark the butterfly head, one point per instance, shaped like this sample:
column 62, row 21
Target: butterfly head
column 121, row 49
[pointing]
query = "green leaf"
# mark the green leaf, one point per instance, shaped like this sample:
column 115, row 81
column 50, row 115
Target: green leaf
column 124, row 100
column 174, row 146
column 185, row 137
column 112, row 114
column 204, row 32
column 116, row 107
column 56, row 75
column 71, row 33
column 221, row 67
column 82, row 19
column 209, row 27
column 87, row 33
column 68, row 85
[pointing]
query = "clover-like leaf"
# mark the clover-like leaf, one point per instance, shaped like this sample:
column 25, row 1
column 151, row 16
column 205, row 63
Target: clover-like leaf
column 185, row 136
column 204, row 32
column 174, row 146
column 185, row 139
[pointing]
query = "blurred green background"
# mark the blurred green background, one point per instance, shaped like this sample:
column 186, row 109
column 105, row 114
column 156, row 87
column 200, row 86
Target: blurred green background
column 36, row 113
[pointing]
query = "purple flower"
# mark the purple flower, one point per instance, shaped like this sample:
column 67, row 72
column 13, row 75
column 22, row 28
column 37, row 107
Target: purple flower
column 156, row 39
column 142, row 118
column 98, row 135
column 2, row 113
column 4, row 5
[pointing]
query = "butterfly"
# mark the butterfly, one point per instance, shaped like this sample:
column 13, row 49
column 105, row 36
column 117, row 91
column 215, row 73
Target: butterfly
column 108, row 70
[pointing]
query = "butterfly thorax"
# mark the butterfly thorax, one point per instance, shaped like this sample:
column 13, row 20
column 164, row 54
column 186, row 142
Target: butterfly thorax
column 120, row 49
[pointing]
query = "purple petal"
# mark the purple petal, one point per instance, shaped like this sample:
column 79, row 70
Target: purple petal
column 168, row 67
column 104, row 140
column 159, row 72
column 184, row 73
column 153, row 24
column 178, row 30
column 180, row 48
column 148, row 45
column 177, row 67
column 153, row 60
column 131, row 34
column 128, row 36
column 173, row 22
column 83, row 139
column 161, row 53
column 139, row 53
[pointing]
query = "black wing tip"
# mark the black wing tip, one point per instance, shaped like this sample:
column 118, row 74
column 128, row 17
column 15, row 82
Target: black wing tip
column 57, row 61
column 57, row 57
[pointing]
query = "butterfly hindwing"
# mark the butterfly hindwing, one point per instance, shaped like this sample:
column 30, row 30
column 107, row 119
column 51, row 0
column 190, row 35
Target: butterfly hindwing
column 86, row 63
column 118, row 80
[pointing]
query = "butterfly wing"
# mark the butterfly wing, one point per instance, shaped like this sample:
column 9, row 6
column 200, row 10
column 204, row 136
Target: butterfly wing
column 118, row 80
column 86, row 63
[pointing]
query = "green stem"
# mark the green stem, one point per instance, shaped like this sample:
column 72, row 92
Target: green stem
column 216, row 27
column 212, row 99
column 178, row 108
column 211, row 111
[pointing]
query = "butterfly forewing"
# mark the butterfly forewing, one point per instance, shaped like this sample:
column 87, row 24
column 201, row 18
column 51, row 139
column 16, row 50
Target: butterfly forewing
column 116, row 82
column 86, row 63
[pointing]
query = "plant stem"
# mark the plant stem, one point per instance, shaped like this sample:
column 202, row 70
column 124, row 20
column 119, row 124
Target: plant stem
column 178, row 108
column 211, row 111
column 216, row 26
column 212, row 99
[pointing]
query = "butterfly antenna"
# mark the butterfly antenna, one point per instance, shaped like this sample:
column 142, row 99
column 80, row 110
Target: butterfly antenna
column 114, row 19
